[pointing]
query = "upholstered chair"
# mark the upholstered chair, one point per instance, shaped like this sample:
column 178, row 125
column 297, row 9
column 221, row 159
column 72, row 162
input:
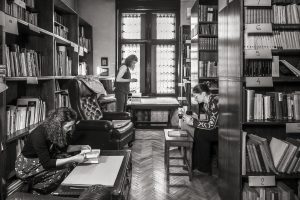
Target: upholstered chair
column 104, row 130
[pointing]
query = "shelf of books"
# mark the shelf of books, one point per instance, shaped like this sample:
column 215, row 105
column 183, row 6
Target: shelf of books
column 204, row 48
column 41, row 45
column 262, row 83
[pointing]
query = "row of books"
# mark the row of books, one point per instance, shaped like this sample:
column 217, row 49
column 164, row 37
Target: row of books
column 254, row 68
column 187, row 70
column 208, row 43
column 272, row 106
column 186, row 34
column 2, row 71
column 208, row 69
column 279, row 40
column 277, row 156
column 270, row 68
column 187, row 52
column 22, row 62
column 63, row 62
column 28, row 111
column 62, row 31
column 280, row 192
column 62, row 99
column 86, row 43
column 289, row 14
column 279, row 14
column 19, row 12
column 208, row 13
column 59, row 18
column 82, row 68
column 208, row 29
column 255, row 16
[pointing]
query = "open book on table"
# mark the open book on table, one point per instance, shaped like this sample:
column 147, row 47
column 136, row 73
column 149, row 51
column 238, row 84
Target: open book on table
column 92, row 156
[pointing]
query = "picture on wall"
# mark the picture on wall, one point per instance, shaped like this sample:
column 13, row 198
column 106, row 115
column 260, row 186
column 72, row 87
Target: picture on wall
column 104, row 61
column 104, row 72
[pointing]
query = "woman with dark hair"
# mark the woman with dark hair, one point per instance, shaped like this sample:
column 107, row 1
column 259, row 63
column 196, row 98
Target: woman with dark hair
column 206, row 131
column 122, row 82
column 41, row 162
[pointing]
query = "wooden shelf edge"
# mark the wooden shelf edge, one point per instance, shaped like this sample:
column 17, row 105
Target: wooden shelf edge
column 64, row 77
column 277, row 176
column 292, row 79
column 21, row 133
column 25, row 78
column 269, row 123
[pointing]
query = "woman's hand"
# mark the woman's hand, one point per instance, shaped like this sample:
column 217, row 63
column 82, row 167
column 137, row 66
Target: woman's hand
column 79, row 158
column 85, row 147
column 188, row 119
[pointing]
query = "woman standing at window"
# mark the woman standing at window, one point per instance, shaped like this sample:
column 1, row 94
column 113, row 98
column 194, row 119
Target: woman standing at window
column 122, row 84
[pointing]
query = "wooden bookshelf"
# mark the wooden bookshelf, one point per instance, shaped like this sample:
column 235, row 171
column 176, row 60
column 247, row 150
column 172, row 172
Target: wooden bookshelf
column 204, row 53
column 233, row 101
column 185, row 65
column 40, row 38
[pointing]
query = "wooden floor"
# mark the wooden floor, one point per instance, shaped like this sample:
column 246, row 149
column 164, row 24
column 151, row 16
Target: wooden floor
column 149, row 177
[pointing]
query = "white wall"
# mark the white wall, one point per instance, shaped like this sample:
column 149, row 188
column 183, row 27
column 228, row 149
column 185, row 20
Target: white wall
column 184, row 4
column 101, row 15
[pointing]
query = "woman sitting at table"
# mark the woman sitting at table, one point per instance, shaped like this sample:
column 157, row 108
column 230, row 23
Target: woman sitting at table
column 206, row 132
column 41, row 162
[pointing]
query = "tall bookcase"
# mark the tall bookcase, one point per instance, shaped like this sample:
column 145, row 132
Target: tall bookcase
column 204, row 47
column 251, row 41
column 185, row 66
column 56, row 40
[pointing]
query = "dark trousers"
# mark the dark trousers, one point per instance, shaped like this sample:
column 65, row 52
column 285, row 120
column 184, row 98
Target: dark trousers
column 202, row 149
column 121, row 101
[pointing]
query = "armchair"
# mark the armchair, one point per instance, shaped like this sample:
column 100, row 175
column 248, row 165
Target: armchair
column 104, row 130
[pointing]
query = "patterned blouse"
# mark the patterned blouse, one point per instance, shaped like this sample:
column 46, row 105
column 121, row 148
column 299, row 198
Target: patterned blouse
column 212, row 111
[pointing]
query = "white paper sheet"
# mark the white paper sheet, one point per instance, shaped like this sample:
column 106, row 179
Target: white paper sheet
column 104, row 173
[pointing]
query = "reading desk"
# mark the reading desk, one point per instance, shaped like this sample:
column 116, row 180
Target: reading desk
column 169, row 104
column 121, row 186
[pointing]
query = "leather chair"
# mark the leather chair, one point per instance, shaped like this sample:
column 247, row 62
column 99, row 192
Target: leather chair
column 104, row 130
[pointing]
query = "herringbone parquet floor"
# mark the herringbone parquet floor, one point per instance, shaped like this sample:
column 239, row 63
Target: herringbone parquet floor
column 149, row 177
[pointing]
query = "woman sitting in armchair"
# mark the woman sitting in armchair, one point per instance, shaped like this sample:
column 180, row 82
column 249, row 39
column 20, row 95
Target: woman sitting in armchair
column 41, row 162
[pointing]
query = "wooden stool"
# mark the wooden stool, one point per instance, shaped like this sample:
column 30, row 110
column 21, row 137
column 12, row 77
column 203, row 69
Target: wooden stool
column 178, row 141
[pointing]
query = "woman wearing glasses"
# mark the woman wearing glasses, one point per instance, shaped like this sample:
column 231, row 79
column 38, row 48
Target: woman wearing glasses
column 206, row 130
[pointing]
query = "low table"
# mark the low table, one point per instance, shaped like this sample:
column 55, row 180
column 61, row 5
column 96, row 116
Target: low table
column 169, row 104
column 121, row 188
column 181, row 141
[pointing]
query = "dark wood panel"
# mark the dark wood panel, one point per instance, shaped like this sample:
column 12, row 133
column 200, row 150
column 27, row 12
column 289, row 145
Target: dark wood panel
column 235, row 39
column 46, row 17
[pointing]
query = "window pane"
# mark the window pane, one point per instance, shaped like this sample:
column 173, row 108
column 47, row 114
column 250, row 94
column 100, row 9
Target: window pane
column 165, row 69
column 131, row 26
column 128, row 49
column 165, row 26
